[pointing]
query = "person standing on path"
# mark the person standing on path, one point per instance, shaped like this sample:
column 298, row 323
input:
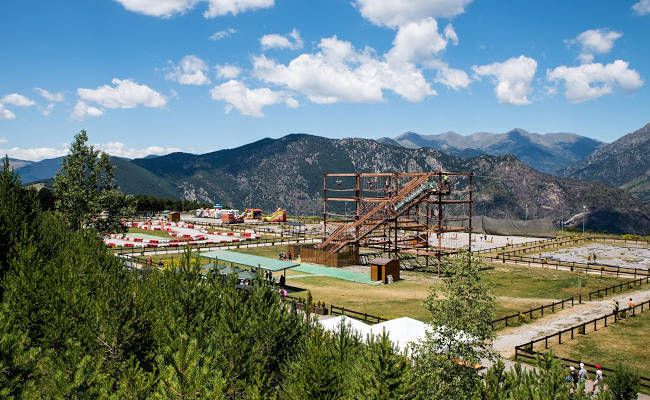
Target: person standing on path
column 615, row 309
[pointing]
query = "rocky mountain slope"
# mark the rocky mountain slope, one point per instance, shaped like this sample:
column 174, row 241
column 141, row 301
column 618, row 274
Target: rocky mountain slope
column 545, row 152
column 287, row 172
column 624, row 163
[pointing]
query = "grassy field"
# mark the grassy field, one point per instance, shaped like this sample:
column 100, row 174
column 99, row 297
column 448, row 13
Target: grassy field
column 517, row 288
column 627, row 341
column 149, row 232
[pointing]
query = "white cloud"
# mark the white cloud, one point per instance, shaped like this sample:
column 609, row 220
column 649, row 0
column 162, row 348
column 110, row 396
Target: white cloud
column 47, row 110
column 590, row 81
column 223, row 34
column 119, row 149
column 57, row 97
column 34, row 154
column 17, row 100
column 3, row 140
column 169, row 8
column 512, row 77
column 83, row 110
column 453, row 78
column 291, row 41
column 595, row 41
column 190, row 71
column 6, row 114
column 338, row 72
column 393, row 13
column 642, row 7
column 450, row 34
column 234, row 7
column 125, row 94
column 227, row 71
column 417, row 42
column 248, row 102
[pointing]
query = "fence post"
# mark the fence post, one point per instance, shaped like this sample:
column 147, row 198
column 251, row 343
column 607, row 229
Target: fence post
column 559, row 337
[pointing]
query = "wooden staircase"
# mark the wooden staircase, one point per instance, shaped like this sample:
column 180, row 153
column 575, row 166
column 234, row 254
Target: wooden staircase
column 388, row 209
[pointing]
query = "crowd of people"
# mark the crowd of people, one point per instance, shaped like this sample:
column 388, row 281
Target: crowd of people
column 574, row 379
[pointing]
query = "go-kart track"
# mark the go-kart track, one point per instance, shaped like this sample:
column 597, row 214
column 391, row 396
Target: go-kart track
column 180, row 234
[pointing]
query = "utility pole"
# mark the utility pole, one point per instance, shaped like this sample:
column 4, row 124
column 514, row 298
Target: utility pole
column 526, row 218
column 584, row 215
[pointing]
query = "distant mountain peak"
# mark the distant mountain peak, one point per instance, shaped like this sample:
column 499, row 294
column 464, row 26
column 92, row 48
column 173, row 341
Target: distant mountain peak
column 544, row 152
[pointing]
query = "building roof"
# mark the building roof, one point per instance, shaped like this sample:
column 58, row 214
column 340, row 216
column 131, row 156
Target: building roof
column 250, row 260
column 380, row 261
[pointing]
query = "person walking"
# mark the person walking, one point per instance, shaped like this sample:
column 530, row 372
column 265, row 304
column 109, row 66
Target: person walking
column 594, row 258
column 583, row 376
column 616, row 307
column 571, row 379
column 598, row 382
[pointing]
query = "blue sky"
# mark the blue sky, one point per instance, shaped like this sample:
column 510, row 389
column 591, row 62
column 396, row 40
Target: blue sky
column 154, row 76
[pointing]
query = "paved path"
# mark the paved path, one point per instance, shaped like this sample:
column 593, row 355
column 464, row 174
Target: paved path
column 508, row 339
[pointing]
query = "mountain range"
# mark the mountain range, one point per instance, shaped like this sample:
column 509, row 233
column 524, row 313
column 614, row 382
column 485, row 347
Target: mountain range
column 547, row 153
column 624, row 163
column 288, row 172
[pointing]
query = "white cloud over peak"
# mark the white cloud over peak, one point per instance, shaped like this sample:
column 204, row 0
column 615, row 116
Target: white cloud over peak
column 82, row 110
column 512, row 77
column 590, row 81
column 338, row 72
column 3, row 140
column 227, row 71
column 56, row 97
column 291, row 41
column 394, row 13
column 6, row 114
column 642, row 7
column 169, row 8
column 223, row 34
column 595, row 41
column 190, row 71
column 17, row 100
column 249, row 101
column 34, row 154
column 117, row 149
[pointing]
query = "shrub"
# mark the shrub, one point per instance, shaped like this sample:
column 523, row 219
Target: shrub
column 625, row 383
column 523, row 318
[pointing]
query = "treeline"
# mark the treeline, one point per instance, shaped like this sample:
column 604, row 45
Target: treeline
column 76, row 323
column 153, row 203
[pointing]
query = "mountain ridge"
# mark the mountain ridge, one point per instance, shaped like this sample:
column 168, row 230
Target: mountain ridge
column 623, row 163
column 547, row 152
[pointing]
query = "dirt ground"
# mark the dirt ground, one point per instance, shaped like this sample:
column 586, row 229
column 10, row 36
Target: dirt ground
column 630, row 256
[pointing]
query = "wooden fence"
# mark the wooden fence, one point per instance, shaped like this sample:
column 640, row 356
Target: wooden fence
column 620, row 287
column 527, row 350
column 532, row 311
column 334, row 310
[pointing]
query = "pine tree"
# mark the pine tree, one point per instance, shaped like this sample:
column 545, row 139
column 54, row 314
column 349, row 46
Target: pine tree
column 383, row 372
column 326, row 367
column 19, row 217
column 85, row 193
column 187, row 373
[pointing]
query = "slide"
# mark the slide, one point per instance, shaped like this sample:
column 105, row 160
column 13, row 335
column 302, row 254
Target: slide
column 279, row 215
